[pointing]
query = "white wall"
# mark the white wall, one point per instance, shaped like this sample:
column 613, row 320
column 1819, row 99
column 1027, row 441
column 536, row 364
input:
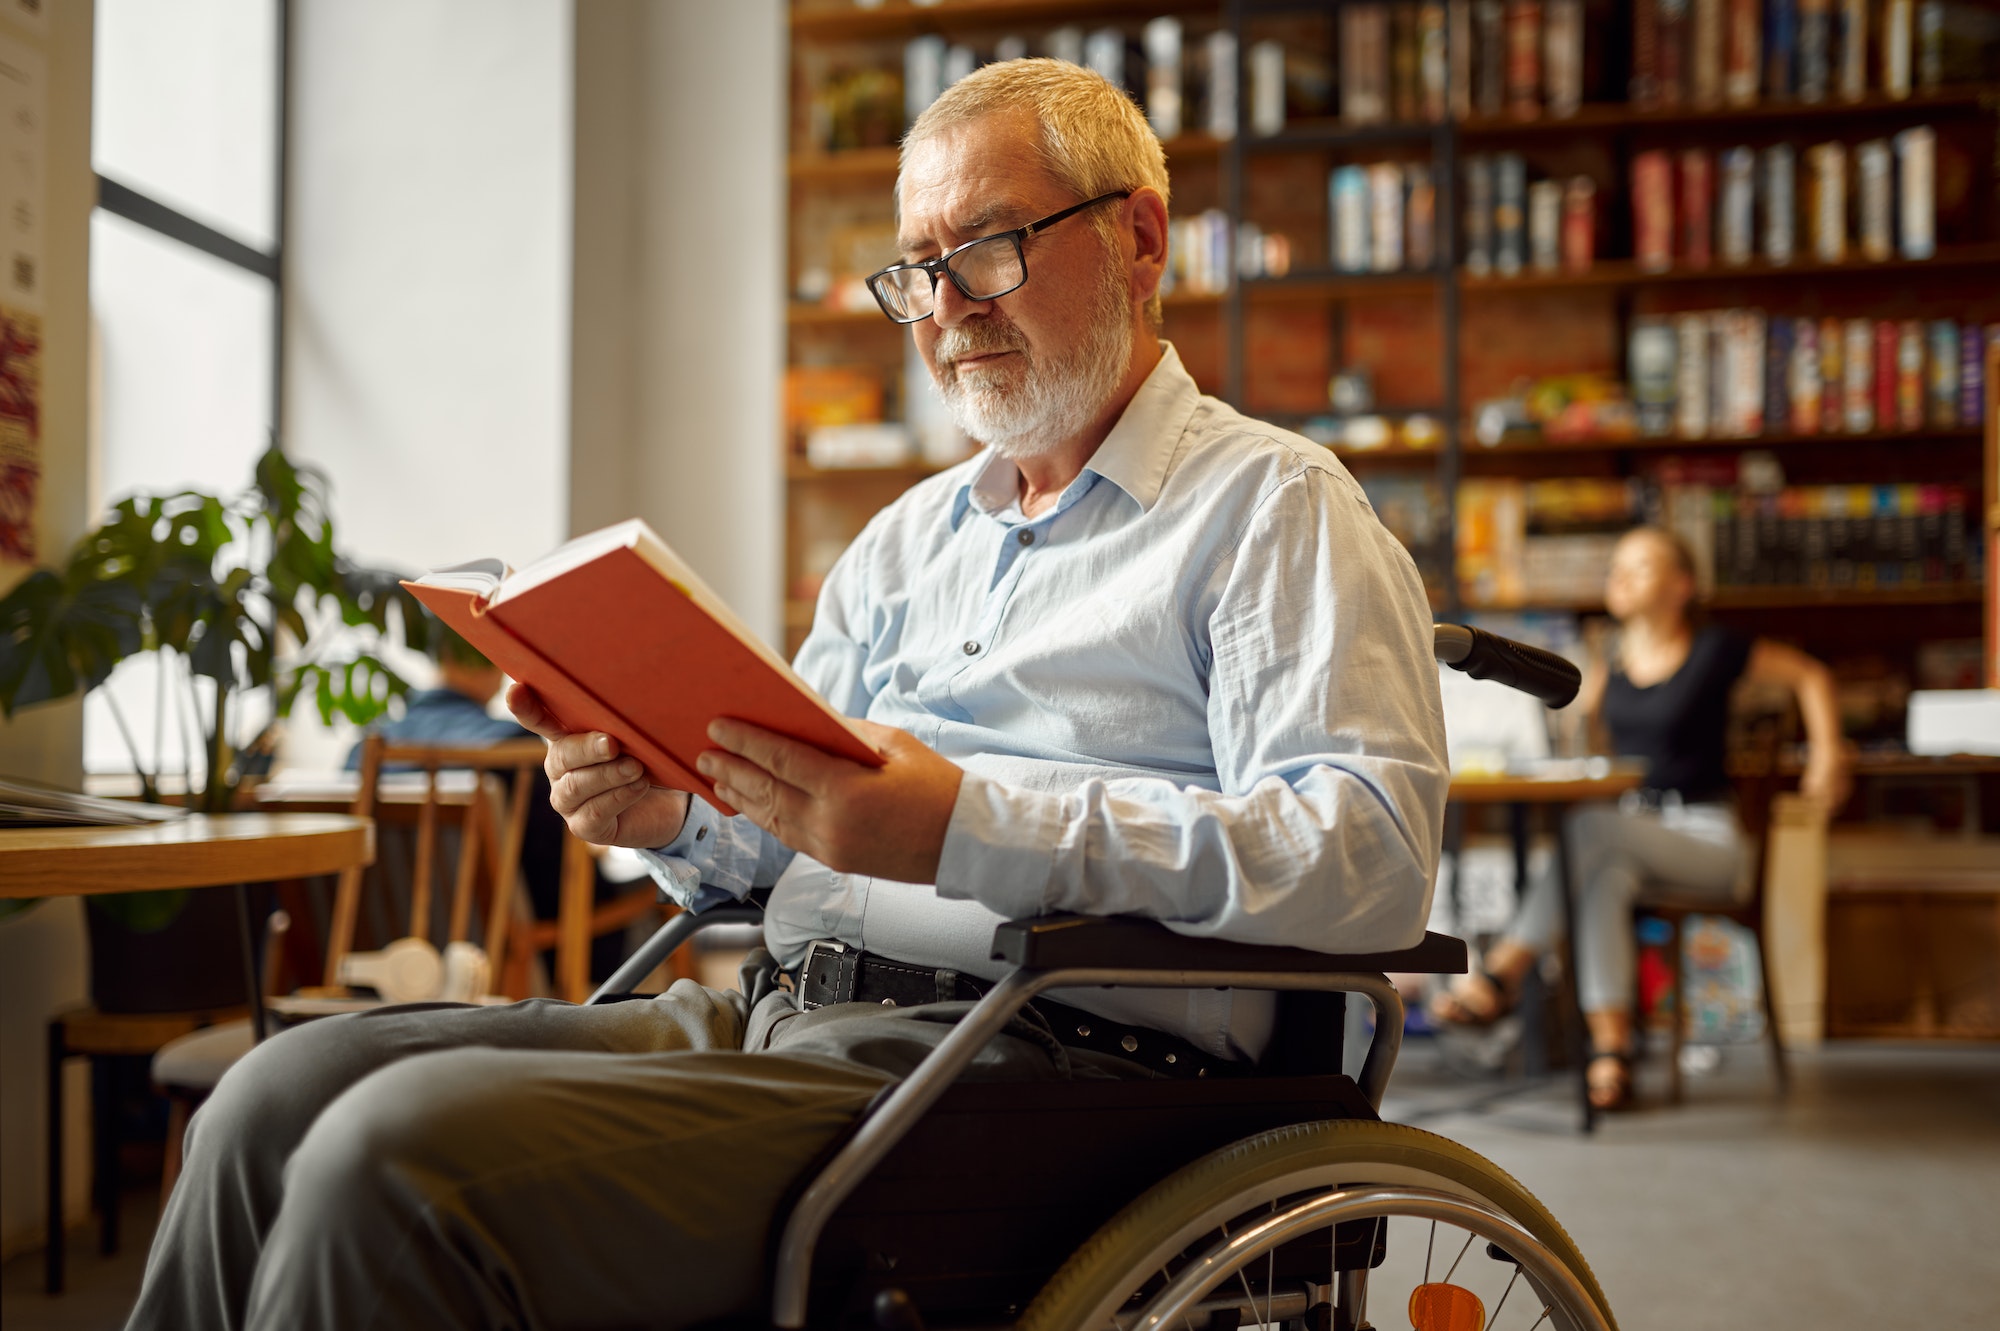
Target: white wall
column 41, row 953
column 679, row 282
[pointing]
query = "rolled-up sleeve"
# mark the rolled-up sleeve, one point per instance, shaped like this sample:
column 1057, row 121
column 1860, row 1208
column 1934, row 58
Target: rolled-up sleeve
column 1328, row 739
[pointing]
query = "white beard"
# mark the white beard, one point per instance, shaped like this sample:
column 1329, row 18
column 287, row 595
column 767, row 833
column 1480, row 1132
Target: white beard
column 1021, row 407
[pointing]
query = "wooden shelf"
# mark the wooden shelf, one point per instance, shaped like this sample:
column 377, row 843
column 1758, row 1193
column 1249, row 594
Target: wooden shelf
column 877, row 166
column 801, row 315
column 1603, row 116
column 1956, row 434
column 899, row 18
column 1782, row 598
column 1319, row 135
column 1325, row 284
column 1625, row 273
column 798, row 470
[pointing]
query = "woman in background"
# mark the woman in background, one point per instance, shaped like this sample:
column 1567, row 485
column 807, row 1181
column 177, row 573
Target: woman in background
column 1664, row 698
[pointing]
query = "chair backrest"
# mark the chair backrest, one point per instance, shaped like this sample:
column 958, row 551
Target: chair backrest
column 492, row 826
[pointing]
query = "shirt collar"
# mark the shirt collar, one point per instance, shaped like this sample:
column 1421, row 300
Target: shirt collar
column 1135, row 456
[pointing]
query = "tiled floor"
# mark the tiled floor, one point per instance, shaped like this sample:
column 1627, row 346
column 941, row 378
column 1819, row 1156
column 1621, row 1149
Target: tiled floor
column 1870, row 1198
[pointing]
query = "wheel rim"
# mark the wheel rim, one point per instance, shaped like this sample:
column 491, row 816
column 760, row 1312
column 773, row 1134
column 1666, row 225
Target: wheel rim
column 1181, row 1297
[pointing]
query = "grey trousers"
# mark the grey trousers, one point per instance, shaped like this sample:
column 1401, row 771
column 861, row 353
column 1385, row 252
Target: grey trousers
column 535, row 1165
column 1615, row 856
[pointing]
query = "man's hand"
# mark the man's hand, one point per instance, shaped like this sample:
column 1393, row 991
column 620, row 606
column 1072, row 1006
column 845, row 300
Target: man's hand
column 605, row 799
column 886, row 821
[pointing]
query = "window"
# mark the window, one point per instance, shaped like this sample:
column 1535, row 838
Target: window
column 187, row 139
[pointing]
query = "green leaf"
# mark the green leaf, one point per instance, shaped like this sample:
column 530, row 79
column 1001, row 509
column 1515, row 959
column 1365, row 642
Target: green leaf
column 62, row 634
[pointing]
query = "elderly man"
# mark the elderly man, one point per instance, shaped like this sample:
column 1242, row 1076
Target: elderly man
column 1142, row 656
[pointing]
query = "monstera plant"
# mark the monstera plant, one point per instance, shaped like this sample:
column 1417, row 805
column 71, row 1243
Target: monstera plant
column 247, row 592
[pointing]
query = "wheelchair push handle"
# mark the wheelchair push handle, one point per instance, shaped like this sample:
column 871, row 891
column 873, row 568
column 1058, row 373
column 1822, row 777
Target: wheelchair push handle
column 1484, row 655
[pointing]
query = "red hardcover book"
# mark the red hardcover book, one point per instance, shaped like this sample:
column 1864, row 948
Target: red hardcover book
column 617, row 634
column 1653, row 210
column 1697, row 212
column 1743, row 58
column 1524, row 59
column 1645, row 86
column 1887, row 334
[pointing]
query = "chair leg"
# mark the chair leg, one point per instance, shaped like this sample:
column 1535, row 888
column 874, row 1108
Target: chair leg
column 170, row 1167
column 1677, row 970
column 104, row 1152
column 52, row 1251
column 1771, row 1030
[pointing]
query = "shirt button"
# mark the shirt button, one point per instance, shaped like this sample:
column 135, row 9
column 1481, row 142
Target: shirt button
column 700, row 832
column 1026, row 538
column 972, row 649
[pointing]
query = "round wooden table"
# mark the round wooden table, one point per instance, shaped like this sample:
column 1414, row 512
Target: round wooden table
column 200, row 850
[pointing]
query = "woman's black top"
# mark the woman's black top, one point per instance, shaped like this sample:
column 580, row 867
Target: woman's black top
column 1680, row 724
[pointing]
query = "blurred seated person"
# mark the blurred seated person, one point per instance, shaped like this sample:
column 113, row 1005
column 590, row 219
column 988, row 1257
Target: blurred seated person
column 1662, row 697
column 454, row 713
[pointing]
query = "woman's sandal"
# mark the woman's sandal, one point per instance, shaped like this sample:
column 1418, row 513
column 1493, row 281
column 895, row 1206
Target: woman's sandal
column 1450, row 1007
column 1613, row 1092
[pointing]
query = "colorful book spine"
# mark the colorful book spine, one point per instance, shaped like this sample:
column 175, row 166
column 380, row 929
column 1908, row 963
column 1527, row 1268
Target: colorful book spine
column 1654, row 357
column 1815, row 49
column 1833, row 375
column 1545, row 225
column 1348, row 187
column 1697, row 206
column 1705, row 82
column 1479, row 214
column 1743, row 373
column 1385, row 216
column 1691, row 375
column 1524, row 59
column 1579, row 224
column 1851, row 69
column 1827, row 163
column 1943, row 383
column 1912, row 392
column 1887, row 340
column 1780, row 203
column 1510, row 202
column 1653, row 210
column 1916, row 161
column 1875, row 188
column 1805, row 377
column 1743, row 52
column 1857, row 402
column 1735, row 238
column 1433, row 72
column 1562, row 56
column 1778, row 351
column 1781, row 41
column 1971, row 375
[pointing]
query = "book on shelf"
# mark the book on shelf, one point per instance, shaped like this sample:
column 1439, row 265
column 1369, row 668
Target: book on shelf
column 1706, row 36
column 1857, row 359
column 1405, row 73
column 1489, row 81
column 1653, row 210
column 1833, row 375
column 1479, row 214
column 1524, row 59
column 1697, row 206
column 1826, row 165
column 1433, row 76
column 1161, row 38
column 615, row 633
column 1781, row 40
column 1579, row 224
column 1643, row 89
column 1365, row 91
column 1883, row 400
column 1459, row 57
column 1510, row 189
column 1348, row 186
column 1267, row 89
column 1736, row 234
column 1803, row 382
column 1851, row 66
column 1898, row 50
column 1671, row 19
column 1385, row 216
column 1219, row 48
column 1780, row 202
column 1743, row 52
column 1911, row 398
column 1420, row 214
column 1916, row 172
column 1779, row 335
column 1545, row 225
column 1816, row 47
column 1562, row 57
column 1873, row 188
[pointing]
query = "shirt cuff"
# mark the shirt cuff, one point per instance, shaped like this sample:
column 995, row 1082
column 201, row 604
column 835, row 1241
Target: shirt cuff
column 1000, row 848
column 679, row 866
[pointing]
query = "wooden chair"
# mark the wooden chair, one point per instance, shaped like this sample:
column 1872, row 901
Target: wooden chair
column 1755, row 793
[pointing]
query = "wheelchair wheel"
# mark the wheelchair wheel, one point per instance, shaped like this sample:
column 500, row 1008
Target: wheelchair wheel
column 1308, row 1227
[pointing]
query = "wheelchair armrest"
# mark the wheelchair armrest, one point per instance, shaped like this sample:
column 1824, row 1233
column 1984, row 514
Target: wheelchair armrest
column 1124, row 942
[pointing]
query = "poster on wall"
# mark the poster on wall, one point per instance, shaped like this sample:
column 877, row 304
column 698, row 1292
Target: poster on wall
column 23, row 192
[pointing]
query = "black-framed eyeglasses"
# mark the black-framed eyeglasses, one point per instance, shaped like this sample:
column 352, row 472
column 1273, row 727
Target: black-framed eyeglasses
column 982, row 269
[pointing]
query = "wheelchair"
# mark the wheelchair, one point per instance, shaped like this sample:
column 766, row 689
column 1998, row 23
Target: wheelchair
column 1274, row 1199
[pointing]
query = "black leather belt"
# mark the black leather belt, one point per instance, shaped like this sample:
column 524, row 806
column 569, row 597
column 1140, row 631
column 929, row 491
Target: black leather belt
column 835, row 973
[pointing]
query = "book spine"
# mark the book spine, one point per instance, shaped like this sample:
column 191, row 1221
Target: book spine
column 1221, row 46
column 1654, row 359
column 1385, row 216
column 1718, row 373
column 1579, row 224
column 1858, row 377
column 1562, row 57
column 1705, row 85
column 1851, row 73
column 1405, row 73
column 1644, row 89
column 1545, row 225
column 1673, row 42
column 1815, row 49
column 1743, row 54
column 1489, row 84
column 1524, row 59
column 1458, row 56
column 1833, row 375
column 1479, row 214
column 1778, row 375
column 1691, row 376
column 1910, row 386
column 1267, row 88
column 1944, row 374
column 923, row 75
column 1805, row 377
column 1739, row 196
column 1930, row 44
column 1420, row 212
column 1885, row 374
column 1433, row 67
column 1916, row 160
column 1510, row 190
column 1873, row 184
column 1828, row 163
column 1780, row 203
column 1351, row 250
column 1653, row 210
column 1781, row 38
column 1378, row 60
column 1747, row 335
column 1697, row 206
column 1162, row 40
column 1971, row 374
column 1898, row 47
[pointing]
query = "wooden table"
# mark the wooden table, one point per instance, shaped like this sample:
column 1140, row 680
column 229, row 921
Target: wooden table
column 1556, row 791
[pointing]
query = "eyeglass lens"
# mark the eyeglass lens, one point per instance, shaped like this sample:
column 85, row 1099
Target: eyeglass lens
column 984, row 269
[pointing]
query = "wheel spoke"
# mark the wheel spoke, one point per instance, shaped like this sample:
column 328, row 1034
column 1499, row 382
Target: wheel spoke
column 1503, row 1299
column 1431, row 1243
column 1461, row 1257
column 1543, row 1318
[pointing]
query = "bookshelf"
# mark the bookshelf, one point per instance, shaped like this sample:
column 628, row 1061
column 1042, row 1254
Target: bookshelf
column 1443, row 340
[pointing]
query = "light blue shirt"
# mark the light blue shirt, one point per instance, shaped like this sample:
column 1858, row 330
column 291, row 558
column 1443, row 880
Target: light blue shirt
column 1199, row 688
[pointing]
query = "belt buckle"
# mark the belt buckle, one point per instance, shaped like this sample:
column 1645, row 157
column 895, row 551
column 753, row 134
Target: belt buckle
column 806, row 973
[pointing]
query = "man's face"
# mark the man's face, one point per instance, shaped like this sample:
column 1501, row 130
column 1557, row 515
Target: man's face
column 1031, row 369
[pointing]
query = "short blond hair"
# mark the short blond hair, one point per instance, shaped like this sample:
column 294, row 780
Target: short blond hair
column 1094, row 138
